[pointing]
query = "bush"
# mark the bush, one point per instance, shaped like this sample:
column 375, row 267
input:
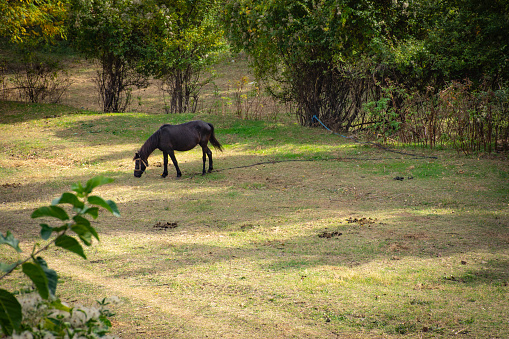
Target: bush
column 469, row 117
column 41, row 81
column 38, row 313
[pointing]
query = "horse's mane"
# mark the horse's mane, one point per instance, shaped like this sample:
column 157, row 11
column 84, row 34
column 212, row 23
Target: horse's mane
column 150, row 145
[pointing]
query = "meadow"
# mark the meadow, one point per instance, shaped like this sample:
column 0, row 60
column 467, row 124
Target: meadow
column 298, row 233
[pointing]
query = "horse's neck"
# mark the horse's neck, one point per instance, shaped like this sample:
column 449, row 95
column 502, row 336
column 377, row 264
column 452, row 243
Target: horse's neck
column 149, row 146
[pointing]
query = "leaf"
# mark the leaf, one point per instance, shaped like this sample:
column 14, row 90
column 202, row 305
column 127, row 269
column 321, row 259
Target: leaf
column 107, row 204
column 51, row 276
column 70, row 244
column 46, row 231
column 7, row 267
column 10, row 240
column 84, row 221
column 10, row 312
column 57, row 304
column 114, row 208
column 78, row 188
column 35, row 272
column 96, row 181
column 69, row 198
column 83, row 233
column 93, row 211
column 50, row 211
column 96, row 200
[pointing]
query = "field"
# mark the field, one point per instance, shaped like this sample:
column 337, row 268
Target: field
column 298, row 233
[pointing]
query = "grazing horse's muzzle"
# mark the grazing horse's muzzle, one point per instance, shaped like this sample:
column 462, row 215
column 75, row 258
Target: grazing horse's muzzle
column 139, row 166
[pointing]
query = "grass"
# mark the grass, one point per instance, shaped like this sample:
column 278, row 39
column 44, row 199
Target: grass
column 324, row 244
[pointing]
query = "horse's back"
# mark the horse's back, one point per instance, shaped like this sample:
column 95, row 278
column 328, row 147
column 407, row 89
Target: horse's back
column 184, row 136
column 198, row 125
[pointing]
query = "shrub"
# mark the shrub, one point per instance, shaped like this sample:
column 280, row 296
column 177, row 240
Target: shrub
column 38, row 313
column 41, row 80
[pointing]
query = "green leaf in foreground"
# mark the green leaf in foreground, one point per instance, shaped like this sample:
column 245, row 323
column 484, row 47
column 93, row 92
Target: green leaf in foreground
column 91, row 184
column 35, row 272
column 46, row 231
column 57, row 304
column 10, row 240
column 107, row 204
column 92, row 211
column 70, row 244
column 10, row 312
column 7, row 267
column 50, row 211
column 85, row 223
column 68, row 198
column 51, row 275
column 83, row 232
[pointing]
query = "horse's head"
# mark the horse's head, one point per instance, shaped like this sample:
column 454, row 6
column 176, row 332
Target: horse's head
column 139, row 165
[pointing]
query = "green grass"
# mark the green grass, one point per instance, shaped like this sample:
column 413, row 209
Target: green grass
column 424, row 257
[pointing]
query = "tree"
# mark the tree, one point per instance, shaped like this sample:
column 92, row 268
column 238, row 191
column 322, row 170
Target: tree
column 444, row 77
column 112, row 32
column 184, row 41
column 29, row 29
column 448, row 40
column 314, row 50
column 32, row 18
column 470, row 39
column 171, row 40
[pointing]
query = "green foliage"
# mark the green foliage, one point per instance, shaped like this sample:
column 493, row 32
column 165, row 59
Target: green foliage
column 185, row 40
column 446, row 41
column 469, row 39
column 114, row 33
column 279, row 34
column 10, row 240
column 333, row 57
column 32, row 19
column 315, row 51
column 36, row 269
column 184, row 34
column 172, row 40
column 10, row 312
column 385, row 117
column 102, row 28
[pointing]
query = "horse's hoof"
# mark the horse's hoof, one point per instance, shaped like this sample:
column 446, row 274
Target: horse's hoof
column 164, row 175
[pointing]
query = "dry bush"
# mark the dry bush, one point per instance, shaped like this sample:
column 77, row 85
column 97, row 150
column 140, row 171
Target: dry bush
column 41, row 81
column 246, row 100
column 470, row 118
column 474, row 119
column 5, row 91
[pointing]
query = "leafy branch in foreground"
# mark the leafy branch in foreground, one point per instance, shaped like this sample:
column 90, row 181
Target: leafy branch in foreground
column 55, row 317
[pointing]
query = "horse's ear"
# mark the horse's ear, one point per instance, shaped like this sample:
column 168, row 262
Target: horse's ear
column 136, row 155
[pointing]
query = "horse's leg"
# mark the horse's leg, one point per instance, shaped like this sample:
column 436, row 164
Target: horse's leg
column 172, row 156
column 165, row 161
column 204, row 160
column 206, row 151
column 209, row 153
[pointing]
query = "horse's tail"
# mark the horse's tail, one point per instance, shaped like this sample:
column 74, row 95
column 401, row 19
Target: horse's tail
column 213, row 139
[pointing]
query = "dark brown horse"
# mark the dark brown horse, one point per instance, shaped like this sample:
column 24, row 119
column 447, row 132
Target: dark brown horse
column 170, row 138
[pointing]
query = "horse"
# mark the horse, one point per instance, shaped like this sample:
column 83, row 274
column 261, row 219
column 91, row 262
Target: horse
column 170, row 138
